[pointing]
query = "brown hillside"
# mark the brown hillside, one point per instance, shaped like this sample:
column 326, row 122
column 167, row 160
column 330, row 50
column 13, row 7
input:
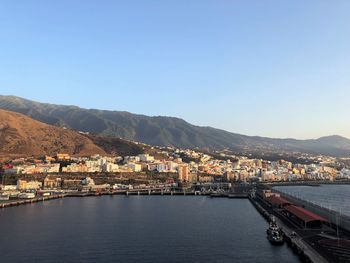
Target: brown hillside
column 21, row 135
column 116, row 146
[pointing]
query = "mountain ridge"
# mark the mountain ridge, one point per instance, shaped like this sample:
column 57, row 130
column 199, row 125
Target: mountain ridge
column 23, row 136
column 167, row 131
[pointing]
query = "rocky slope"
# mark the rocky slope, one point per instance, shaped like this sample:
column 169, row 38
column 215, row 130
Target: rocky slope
column 23, row 136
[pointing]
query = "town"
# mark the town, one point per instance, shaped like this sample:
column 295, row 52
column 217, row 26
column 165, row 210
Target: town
column 168, row 168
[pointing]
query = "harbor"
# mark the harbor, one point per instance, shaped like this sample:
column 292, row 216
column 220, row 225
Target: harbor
column 15, row 197
column 139, row 229
column 304, row 252
column 311, row 236
column 155, row 192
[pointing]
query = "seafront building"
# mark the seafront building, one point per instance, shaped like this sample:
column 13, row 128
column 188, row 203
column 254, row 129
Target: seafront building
column 31, row 185
column 197, row 167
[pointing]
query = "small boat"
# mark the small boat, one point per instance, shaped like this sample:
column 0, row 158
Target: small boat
column 4, row 197
column 274, row 233
column 26, row 196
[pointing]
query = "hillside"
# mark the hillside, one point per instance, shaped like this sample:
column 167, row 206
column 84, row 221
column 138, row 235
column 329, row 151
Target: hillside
column 23, row 136
column 167, row 131
column 116, row 146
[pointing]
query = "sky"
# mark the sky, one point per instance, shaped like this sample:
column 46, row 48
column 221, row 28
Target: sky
column 269, row 68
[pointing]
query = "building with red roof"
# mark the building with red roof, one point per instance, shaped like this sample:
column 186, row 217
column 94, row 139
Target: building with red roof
column 278, row 201
column 303, row 217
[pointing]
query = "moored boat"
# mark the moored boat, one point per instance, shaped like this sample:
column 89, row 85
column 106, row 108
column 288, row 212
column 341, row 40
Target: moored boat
column 4, row 197
column 274, row 233
column 26, row 196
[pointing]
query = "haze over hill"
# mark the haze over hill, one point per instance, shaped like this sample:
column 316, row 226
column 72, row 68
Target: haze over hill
column 23, row 136
column 167, row 131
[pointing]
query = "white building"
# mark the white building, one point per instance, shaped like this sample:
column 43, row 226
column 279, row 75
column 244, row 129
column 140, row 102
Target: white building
column 345, row 173
column 122, row 187
column 9, row 187
column 111, row 168
column 135, row 167
column 172, row 166
column 146, row 158
column 88, row 181
column 162, row 168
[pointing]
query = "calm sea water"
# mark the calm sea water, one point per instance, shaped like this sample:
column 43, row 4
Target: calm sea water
column 137, row 229
column 334, row 197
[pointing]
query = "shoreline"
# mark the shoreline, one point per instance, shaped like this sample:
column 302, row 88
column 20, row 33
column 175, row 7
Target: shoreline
column 18, row 202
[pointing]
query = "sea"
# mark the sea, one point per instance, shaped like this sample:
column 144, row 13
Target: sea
column 332, row 196
column 137, row 229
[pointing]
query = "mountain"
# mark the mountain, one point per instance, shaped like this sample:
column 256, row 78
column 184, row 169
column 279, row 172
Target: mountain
column 23, row 136
column 167, row 131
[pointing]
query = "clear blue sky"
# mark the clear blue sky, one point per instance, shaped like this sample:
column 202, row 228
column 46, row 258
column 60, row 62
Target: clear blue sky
column 270, row 68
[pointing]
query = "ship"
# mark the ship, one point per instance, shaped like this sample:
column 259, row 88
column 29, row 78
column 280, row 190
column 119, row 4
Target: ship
column 274, row 233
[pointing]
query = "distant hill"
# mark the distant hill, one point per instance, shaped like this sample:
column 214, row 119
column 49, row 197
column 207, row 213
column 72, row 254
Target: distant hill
column 167, row 131
column 23, row 136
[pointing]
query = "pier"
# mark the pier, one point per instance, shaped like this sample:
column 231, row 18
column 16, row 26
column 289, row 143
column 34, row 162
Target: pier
column 311, row 236
column 302, row 249
column 334, row 217
column 131, row 192
column 17, row 202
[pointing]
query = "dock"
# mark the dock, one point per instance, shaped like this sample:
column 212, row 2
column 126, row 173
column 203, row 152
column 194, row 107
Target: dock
column 17, row 202
column 302, row 249
column 131, row 192
column 311, row 245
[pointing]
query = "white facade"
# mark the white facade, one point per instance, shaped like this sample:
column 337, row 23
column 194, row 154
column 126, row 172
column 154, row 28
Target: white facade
column 135, row 167
column 146, row 158
column 111, row 168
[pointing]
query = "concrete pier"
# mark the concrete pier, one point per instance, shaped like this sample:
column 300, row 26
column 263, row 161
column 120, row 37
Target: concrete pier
column 17, row 202
column 305, row 252
column 336, row 218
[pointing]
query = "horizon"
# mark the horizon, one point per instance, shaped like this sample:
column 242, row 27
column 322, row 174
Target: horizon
column 271, row 70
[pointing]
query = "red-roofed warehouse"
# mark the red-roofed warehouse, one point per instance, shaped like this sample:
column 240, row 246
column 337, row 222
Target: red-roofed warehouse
column 278, row 201
column 304, row 217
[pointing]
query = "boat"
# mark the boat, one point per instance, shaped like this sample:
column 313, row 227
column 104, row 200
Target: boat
column 4, row 197
column 14, row 194
column 26, row 196
column 274, row 233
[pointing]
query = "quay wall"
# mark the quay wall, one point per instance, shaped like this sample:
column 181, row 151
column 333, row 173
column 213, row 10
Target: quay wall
column 18, row 202
column 303, row 254
column 333, row 217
